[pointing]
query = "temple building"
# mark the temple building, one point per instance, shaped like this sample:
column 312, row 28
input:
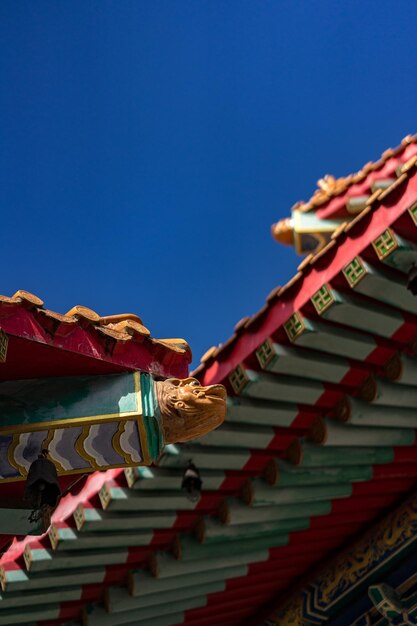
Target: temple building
column 308, row 506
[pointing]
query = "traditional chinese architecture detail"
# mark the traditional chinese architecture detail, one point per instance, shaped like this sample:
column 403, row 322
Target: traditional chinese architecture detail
column 385, row 244
column 318, row 445
column 265, row 353
column 391, row 606
column 291, row 614
column 385, row 543
column 294, row 327
column 305, row 231
column 238, row 379
column 4, row 342
column 323, row 299
column 96, row 423
column 189, row 410
column 413, row 212
column 354, row 272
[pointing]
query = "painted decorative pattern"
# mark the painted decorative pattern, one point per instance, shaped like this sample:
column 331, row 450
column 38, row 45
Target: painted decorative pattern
column 323, row 299
column 265, row 353
column 385, row 244
column 394, row 534
column 80, row 448
column 385, row 543
column 413, row 212
column 238, row 379
column 290, row 614
column 354, row 272
column 294, row 327
column 4, row 342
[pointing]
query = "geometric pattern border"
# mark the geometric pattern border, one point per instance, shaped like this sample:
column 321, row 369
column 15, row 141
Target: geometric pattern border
column 323, row 299
column 265, row 353
column 413, row 212
column 238, row 379
column 294, row 326
column 385, row 244
column 354, row 272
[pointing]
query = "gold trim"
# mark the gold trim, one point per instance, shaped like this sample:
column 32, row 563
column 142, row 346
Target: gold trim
column 11, row 458
column 79, row 448
column 325, row 289
column 115, row 442
column 412, row 214
column 83, row 470
column 387, row 233
column 45, row 444
column 143, row 438
column 90, row 421
column 4, row 344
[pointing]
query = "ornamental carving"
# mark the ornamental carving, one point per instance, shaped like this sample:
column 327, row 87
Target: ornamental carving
column 394, row 535
column 189, row 410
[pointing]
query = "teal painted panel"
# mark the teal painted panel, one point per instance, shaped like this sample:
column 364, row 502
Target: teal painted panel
column 151, row 417
column 44, row 400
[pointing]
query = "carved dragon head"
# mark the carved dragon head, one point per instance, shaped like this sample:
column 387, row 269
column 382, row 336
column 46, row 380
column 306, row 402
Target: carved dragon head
column 189, row 410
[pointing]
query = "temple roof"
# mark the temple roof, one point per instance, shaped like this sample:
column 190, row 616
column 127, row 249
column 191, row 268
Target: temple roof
column 92, row 344
column 331, row 188
column 319, row 441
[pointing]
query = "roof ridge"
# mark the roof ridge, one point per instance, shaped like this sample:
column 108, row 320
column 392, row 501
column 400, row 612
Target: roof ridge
column 330, row 186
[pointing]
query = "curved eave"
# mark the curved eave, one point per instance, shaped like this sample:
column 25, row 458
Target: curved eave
column 38, row 339
column 295, row 296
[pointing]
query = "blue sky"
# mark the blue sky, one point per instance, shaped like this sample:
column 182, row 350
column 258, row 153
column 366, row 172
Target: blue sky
column 146, row 147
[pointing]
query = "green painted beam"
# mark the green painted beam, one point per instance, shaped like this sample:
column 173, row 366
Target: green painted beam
column 207, row 457
column 187, row 548
column 361, row 315
column 118, row 498
column 210, row 530
column 160, row 479
column 97, row 616
column 118, row 600
column 340, row 456
column 49, row 595
column 394, row 395
column 142, row 583
column 15, row 521
column 41, row 560
column 68, row 539
column 26, row 616
column 18, row 580
column 238, row 513
column 339, row 434
column 349, row 344
column 290, row 476
column 164, row 565
column 370, row 414
column 260, row 493
column 307, row 364
column 285, row 389
column 385, row 287
column 89, row 519
column 260, row 412
column 240, row 436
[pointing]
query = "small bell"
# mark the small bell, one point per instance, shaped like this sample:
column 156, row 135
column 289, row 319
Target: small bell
column 412, row 280
column 191, row 482
column 42, row 490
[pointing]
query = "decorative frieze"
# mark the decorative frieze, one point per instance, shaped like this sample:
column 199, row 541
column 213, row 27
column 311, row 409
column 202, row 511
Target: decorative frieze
column 265, row 353
column 323, row 299
column 294, row 327
column 385, row 244
column 354, row 272
column 238, row 379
